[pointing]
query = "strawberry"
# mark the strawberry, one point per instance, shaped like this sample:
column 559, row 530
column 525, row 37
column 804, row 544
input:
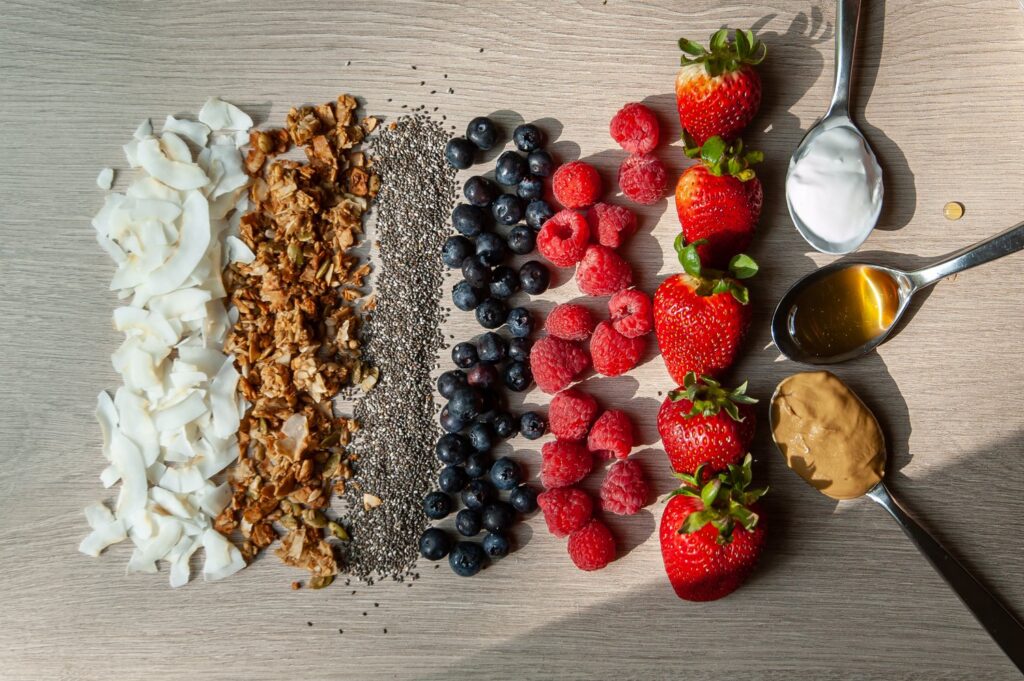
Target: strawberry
column 712, row 533
column 702, row 315
column 719, row 199
column 718, row 91
column 706, row 424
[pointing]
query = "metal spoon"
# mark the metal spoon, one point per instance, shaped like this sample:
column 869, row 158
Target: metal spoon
column 1002, row 626
column 907, row 283
column 838, row 116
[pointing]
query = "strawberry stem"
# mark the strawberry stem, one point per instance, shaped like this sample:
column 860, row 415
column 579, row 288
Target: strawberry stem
column 725, row 55
column 712, row 281
column 722, row 158
column 725, row 500
column 709, row 398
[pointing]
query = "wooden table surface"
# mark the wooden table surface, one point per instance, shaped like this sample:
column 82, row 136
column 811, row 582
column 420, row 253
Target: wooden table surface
column 841, row 593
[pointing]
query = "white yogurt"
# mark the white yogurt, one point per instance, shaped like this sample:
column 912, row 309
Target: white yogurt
column 835, row 189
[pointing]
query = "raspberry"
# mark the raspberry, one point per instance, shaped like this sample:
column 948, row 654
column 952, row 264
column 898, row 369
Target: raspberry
column 635, row 128
column 592, row 547
column 556, row 362
column 566, row 509
column 624, row 490
column 612, row 353
column 602, row 272
column 611, row 224
column 611, row 435
column 631, row 314
column 642, row 178
column 563, row 239
column 570, row 322
column 564, row 463
column 576, row 184
column 570, row 414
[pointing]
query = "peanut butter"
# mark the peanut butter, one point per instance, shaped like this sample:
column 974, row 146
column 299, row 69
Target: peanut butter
column 827, row 435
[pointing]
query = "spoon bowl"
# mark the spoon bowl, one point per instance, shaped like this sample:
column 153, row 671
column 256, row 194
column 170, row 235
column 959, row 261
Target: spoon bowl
column 884, row 296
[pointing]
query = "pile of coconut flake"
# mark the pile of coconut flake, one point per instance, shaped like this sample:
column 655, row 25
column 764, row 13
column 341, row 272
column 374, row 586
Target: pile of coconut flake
column 172, row 426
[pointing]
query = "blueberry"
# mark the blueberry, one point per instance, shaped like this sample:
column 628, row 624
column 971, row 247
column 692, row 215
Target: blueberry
column 478, row 464
column 505, row 473
column 467, row 297
column 466, row 559
column 504, row 425
column 480, row 437
column 478, row 493
column 449, row 381
column 475, row 271
column 492, row 347
column 521, row 240
column 519, row 349
column 508, row 209
column 455, row 250
column 459, row 153
column 491, row 313
column 494, row 401
column 517, row 376
column 510, row 169
column 468, row 522
column 450, row 423
column 452, row 479
column 540, row 163
column 437, row 505
column 504, row 282
column 528, row 137
column 523, row 499
column 465, row 404
column 470, row 220
column 464, row 355
column 532, row 425
column 496, row 545
column 519, row 321
column 480, row 191
column 530, row 188
column 534, row 277
column 498, row 516
column 491, row 249
column 537, row 213
column 435, row 543
column 482, row 132
column 483, row 375
column 452, row 448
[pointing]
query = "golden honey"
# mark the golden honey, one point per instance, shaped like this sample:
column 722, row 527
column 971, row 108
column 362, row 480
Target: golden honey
column 844, row 310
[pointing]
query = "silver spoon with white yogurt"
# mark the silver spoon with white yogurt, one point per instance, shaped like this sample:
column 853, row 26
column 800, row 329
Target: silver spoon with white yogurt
column 834, row 183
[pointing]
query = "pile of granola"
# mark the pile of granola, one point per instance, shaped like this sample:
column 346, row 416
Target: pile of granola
column 301, row 302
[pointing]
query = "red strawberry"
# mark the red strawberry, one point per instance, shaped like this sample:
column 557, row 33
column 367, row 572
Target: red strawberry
column 712, row 534
column 706, row 424
column 719, row 200
column 701, row 316
column 718, row 91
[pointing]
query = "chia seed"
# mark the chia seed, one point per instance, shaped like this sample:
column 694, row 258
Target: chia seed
column 395, row 444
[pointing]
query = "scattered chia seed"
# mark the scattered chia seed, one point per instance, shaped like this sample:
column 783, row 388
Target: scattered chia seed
column 395, row 444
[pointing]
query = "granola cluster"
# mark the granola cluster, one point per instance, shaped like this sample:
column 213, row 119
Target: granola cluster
column 300, row 304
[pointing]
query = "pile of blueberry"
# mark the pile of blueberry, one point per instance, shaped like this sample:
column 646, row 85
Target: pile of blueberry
column 474, row 418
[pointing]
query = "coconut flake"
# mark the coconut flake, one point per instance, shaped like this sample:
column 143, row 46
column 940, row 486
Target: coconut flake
column 193, row 131
column 105, row 179
column 150, row 156
column 220, row 115
column 238, row 250
column 222, row 558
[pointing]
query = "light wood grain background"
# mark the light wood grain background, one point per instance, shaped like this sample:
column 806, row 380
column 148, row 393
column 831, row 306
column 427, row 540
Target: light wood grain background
column 842, row 595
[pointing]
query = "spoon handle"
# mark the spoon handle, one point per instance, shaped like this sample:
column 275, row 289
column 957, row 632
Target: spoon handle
column 993, row 248
column 1001, row 625
column 847, row 18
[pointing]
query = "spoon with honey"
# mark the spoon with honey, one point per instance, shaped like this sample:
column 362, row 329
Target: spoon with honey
column 846, row 309
column 833, row 441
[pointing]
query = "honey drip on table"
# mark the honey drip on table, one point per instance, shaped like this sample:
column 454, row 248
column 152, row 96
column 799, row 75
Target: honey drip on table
column 844, row 310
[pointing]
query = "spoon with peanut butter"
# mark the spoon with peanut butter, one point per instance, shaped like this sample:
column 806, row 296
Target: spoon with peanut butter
column 833, row 441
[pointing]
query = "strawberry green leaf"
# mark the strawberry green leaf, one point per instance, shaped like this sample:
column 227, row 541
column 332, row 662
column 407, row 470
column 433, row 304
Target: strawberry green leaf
column 739, row 292
column 730, row 408
column 742, row 266
column 690, row 146
column 721, row 286
column 690, row 259
column 695, row 521
column 690, row 47
column 720, row 40
column 748, row 519
column 742, row 45
column 710, row 493
column 712, row 150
